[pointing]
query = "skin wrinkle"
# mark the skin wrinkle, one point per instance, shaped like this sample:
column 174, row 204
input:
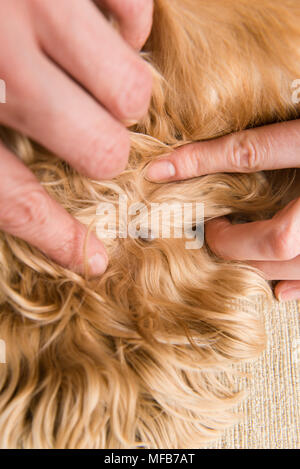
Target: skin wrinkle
column 147, row 354
column 244, row 154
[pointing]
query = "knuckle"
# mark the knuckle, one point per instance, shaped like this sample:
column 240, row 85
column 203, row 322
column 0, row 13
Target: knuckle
column 284, row 243
column 106, row 159
column 25, row 210
column 119, row 147
column 69, row 251
column 134, row 95
column 189, row 164
column 116, row 154
column 244, row 155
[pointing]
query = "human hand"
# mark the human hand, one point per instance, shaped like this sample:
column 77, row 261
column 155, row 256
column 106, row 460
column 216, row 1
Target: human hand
column 73, row 84
column 273, row 246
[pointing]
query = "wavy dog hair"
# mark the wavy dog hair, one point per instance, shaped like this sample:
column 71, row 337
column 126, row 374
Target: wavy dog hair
column 146, row 355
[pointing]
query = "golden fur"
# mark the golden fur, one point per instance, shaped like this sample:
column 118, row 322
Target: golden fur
column 144, row 356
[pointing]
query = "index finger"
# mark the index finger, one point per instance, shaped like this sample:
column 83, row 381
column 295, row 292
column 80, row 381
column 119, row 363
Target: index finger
column 273, row 146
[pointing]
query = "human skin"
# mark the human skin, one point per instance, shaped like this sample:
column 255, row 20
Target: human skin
column 73, row 84
column 273, row 246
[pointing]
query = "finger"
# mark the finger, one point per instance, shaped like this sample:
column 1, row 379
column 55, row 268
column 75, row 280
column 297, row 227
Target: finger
column 274, row 270
column 53, row 110
column 134, row 19
column 277, row 239
column 96, row 56
column 286, row 291
column 288, row 272
column 274, row 146
column 28, row 212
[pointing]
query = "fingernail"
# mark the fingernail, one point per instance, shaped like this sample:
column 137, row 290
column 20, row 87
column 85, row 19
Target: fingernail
column 289, row 294
column 160, row 171
column 98, row 264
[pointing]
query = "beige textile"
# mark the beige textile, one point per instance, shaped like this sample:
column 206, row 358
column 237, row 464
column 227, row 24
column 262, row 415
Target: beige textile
column 272, row 409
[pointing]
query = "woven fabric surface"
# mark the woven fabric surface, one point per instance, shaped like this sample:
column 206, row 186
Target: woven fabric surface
column 271, row 411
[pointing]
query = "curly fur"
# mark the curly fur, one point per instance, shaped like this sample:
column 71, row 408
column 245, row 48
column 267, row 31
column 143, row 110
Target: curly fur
column 146, row 355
